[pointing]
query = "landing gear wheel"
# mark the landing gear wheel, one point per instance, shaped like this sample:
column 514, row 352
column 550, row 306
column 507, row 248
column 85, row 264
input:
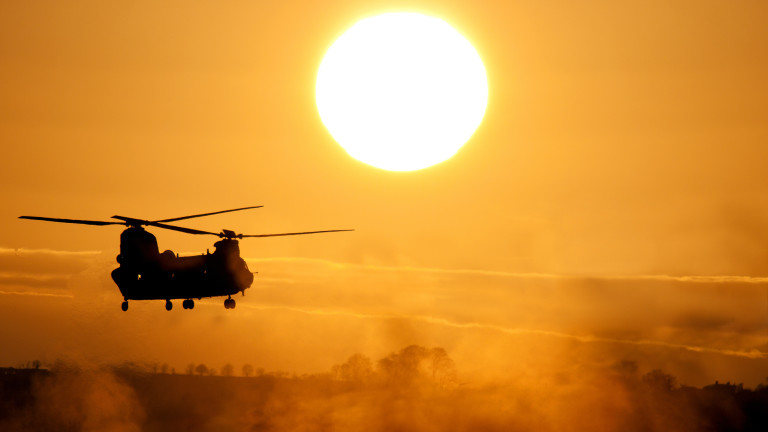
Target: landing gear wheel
column 124, row 306
column 229, row 303
column 188, row 304
column 168, row 305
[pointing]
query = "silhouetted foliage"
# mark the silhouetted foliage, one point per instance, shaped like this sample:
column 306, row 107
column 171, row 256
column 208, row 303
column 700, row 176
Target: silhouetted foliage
column 404, row 393
column 414, row 364
column 247, row 370
column 227, row 370
column 659, row 380
column 357, row 369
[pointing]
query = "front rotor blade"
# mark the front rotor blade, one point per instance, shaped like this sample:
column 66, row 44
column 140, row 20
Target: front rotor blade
column 74, row 221
column 206, row 214
column 140, row 222
column 295, row 233
column 180, row 229
column 131, row 221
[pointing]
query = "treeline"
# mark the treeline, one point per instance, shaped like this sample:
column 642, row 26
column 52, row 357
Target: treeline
column 413, row 389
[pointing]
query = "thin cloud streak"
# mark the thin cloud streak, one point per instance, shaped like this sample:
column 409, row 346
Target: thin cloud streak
column 496, row 273
column 23, row 251
column 36, row 294
column 753, row 354
column 34, row 277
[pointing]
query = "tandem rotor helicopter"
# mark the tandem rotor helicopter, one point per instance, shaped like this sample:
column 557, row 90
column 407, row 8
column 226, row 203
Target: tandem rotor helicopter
column 147, row 274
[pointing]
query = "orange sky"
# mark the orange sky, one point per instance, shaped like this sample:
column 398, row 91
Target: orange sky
column 621, row 143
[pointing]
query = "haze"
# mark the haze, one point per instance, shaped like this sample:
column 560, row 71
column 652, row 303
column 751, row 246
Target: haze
column 611, row 207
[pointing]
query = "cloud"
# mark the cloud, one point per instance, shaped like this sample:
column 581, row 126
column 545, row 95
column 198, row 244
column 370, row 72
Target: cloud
column 753, row 354
column 702, row 315
column 30, row 270
column 35, row 293
column 511, row 275
column 50, row 252
column 34, row 280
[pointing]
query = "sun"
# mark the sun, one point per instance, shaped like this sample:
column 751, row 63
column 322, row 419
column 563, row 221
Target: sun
column 401, row 91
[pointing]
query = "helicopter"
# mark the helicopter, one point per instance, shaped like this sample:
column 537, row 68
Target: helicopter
column 146, row 274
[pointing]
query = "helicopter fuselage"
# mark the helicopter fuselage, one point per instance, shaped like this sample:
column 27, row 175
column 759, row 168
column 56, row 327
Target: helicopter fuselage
column 147, row 274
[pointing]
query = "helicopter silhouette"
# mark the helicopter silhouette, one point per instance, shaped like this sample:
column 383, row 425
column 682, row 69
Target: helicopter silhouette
column 146, row 274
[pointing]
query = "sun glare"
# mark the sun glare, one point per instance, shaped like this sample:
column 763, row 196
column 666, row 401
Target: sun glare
column 401, row 91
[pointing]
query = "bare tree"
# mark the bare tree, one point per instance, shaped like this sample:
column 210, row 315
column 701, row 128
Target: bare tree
column 191, row 369
column 659, row 380
column 404, row 367
column 227, row 370
column 247, row 370
column 415, row 364
column 201, row 369
column 357, row 368
column 442, row 367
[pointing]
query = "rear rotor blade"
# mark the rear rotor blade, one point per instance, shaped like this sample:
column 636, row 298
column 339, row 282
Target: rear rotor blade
column 294, row 233
column 206, row 214
column 74, row 221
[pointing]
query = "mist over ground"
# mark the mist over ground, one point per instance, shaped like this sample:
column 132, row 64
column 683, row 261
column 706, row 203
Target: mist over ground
column 413, row 389
column 302, row 315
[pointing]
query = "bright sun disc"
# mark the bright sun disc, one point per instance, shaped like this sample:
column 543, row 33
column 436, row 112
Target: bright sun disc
column 401, row 91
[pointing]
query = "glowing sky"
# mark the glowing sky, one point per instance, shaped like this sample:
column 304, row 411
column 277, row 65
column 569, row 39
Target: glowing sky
column 612, row 205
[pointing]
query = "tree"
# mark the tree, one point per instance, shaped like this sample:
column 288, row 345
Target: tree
column 201, row 369
column 191, row 369
column 227, row 370
column 659, row 380
column 403, row 367
column 357, row 368
column 247, row 370
column 415, row 364
column 442, row 367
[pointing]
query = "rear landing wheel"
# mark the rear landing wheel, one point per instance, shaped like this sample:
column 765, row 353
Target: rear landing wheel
column 188, row 304
column 229, row 303
column 168, row 305
column 124, row 306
